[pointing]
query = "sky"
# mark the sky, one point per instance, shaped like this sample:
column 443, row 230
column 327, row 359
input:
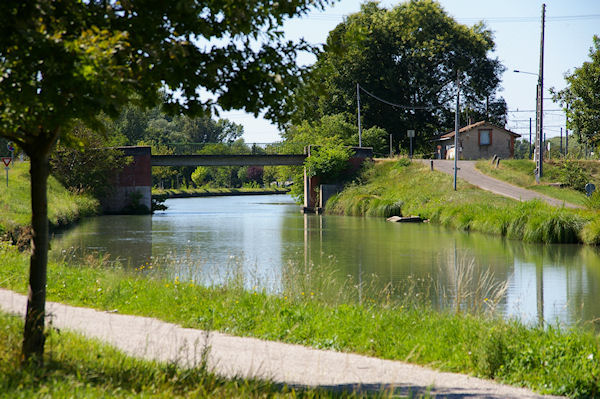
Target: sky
column 570, row 27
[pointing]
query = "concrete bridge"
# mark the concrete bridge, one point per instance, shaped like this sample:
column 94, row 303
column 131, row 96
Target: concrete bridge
column 228, row 160
column 133, row 184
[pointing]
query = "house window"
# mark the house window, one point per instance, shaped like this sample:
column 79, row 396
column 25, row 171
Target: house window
column 485, row 137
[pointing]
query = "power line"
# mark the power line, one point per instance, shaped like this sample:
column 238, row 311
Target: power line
column 413, row 107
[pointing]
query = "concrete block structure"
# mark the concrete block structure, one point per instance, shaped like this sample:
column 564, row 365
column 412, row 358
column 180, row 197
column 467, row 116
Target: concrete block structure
column 478, row 141
column 132, row 186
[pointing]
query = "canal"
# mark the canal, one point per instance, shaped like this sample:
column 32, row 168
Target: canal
column 258, row 239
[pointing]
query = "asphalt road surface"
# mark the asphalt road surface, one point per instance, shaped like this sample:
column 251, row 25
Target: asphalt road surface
column 467, row 172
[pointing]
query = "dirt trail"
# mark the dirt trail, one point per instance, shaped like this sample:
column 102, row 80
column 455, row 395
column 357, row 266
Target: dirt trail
column 468, row 172
column 249, row 357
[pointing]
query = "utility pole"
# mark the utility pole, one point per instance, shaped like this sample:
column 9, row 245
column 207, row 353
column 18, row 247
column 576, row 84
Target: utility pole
column 456, row 126
column 529, row 138
column 539, row 125
column 358, row 107
column 567, row 134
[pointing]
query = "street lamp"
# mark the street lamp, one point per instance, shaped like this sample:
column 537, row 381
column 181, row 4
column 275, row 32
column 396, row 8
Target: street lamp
column 539, row 137
column 528, row 73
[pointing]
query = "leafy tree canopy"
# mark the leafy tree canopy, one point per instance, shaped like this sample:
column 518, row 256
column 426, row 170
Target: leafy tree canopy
column 68, row 60
column 581, row 97
column 152, row 125
column 334, row 126
column 408, row 55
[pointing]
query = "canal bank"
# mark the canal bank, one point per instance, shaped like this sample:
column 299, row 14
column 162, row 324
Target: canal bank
column 64, row 207
column 405, row 188
column 383, row 324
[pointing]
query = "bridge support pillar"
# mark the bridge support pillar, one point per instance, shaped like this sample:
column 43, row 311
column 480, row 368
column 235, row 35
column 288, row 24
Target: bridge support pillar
column 132, row 186
column 316, row 196
column 311, row 185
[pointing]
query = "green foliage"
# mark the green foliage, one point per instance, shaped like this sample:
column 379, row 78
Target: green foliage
column 409, row 55
column 593, row 201
column 200, row 176
column 328, row 161
column 375, row 137
column 311, row 132
column 87, row 166
column 580, row 97
column 573, row 175
column 153, row 125
column 521, row 149
column 68, row 61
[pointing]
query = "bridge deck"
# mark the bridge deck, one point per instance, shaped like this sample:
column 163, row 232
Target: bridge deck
column 227, row 160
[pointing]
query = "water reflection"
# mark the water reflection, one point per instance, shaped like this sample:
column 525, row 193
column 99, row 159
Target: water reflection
column 258, row 240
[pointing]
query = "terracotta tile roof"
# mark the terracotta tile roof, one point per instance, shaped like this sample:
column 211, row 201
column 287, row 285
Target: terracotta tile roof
column 477, row 124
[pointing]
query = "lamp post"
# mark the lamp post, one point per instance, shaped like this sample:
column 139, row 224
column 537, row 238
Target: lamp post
column 538, row 154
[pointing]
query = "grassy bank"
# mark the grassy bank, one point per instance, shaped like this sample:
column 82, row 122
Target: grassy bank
column 520, row 173
column 64, row 207
column 79, row 367
column 215, row 192
column 392, row 323
column 404, row 188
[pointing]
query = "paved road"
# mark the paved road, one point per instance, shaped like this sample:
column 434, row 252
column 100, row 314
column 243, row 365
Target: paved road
column 250, row 357
column 467, row 172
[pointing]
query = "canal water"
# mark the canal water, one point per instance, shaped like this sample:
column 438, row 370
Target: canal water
column 260, row 240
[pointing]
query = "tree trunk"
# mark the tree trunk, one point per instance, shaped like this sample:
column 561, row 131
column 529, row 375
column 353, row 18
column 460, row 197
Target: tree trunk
column 33, row 334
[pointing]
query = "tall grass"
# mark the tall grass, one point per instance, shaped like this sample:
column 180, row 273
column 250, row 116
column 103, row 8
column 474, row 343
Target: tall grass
column 413, row 189
column 393, row 322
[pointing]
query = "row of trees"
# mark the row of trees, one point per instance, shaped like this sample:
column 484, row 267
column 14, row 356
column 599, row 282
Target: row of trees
column 409, row 55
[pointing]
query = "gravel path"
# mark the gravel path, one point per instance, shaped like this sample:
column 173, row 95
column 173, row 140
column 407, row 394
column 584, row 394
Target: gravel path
column 468, row 172
column 249, row 357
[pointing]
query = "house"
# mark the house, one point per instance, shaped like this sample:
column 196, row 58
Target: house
column 478, row 140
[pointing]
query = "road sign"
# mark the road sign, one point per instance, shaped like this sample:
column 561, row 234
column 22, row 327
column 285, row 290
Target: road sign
column 410, row 133
column 10, row 147
column 6, row 161
column 589, row 189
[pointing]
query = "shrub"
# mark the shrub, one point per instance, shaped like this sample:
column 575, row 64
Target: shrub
column 573, row 175
column 85, row 165
column 328, row 161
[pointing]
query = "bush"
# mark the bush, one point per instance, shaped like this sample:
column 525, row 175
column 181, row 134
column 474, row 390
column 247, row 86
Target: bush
column 201, row 176
column 85, row 165
column 574, row 176
column 328, row 161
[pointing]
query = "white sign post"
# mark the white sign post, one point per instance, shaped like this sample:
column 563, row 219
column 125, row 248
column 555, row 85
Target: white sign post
column 6, row 162
column 410, row 134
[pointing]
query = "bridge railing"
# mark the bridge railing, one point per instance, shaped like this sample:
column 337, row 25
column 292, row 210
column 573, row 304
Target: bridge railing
column 234, row 147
